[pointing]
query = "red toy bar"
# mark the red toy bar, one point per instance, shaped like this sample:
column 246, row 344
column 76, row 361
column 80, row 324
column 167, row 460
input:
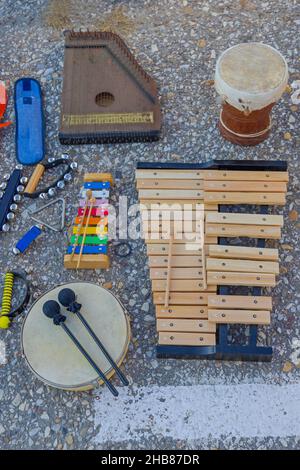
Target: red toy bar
column 95, row 212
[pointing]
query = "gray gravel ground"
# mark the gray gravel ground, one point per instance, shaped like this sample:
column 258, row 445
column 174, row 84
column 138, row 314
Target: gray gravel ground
column 177, row 42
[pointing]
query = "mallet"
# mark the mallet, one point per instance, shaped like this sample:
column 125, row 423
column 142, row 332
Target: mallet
column 51, row 309
column 67, row 298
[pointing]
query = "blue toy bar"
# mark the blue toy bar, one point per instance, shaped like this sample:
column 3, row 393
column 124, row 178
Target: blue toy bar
column 96, row 185
column 89, row 250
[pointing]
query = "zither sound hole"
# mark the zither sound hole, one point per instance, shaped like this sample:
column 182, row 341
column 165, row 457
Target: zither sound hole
column 104, row 99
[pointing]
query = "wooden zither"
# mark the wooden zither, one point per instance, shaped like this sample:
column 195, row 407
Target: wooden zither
column 206, row 228
column 107, row 96
column 88, row 243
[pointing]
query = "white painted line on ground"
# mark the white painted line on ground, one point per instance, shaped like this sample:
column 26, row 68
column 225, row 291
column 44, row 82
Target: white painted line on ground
column 199, row 412
column 3, row 359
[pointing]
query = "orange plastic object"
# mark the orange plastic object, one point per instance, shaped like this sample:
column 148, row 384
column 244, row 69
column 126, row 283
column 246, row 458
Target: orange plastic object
column 3, row 104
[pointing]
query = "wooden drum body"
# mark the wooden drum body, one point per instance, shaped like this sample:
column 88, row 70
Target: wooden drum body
column 52, row 356
column 248, row 129
column 250, row 78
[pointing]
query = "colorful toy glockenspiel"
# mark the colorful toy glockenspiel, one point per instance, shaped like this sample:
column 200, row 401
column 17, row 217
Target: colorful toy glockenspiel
column 88, row 243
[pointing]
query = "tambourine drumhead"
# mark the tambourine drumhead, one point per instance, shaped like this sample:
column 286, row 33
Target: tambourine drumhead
column 50, row 353
column 252, row 72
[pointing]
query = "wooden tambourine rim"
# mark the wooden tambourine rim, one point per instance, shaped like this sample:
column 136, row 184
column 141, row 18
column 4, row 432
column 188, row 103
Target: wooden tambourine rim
column 88, row 385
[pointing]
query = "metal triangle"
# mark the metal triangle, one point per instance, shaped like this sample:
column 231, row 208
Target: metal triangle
column 62, row 217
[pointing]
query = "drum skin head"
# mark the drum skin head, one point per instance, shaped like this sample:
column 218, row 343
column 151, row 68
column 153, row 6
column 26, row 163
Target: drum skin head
column 51, row 354
column 253, row 67
column 251, row 76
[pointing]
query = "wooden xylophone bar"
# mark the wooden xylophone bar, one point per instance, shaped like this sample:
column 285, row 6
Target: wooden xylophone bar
column 194, row 321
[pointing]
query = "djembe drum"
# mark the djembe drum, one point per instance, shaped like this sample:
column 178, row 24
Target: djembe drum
column 250, row 78
column 52, row 356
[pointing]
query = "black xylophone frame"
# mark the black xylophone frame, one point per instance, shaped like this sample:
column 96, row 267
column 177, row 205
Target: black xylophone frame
column 223, row 349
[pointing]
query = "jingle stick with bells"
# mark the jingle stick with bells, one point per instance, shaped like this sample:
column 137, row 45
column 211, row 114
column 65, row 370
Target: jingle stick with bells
column 51, row 309
column 67, row 298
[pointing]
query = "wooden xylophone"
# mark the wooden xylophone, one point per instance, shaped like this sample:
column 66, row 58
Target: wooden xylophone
column 88, row 243
column 190, row 213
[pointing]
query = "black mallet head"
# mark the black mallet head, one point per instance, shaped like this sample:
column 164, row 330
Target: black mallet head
column 67, row 298
column 51, row 309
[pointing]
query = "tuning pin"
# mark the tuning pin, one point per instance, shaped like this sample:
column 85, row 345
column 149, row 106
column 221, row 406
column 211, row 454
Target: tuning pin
column 13, row 207
column 17, row 198
column 73, row 166
column 3, row 186
column 23, row 180
column 68, row 177
column 10, row 216
column 1, row 194
column 5, row 228
column 6, row 177
column 43, row 196
column 16, row 251
column 51, row 192
column 19, row 167
column 20, row 188
column 61, row 184
column 65, row 156
column 51, row 159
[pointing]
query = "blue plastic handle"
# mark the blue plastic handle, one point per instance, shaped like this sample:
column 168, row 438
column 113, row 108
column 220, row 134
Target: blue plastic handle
column 28, row 238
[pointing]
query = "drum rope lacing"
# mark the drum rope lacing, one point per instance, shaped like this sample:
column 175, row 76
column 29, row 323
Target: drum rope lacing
column 256, row 134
